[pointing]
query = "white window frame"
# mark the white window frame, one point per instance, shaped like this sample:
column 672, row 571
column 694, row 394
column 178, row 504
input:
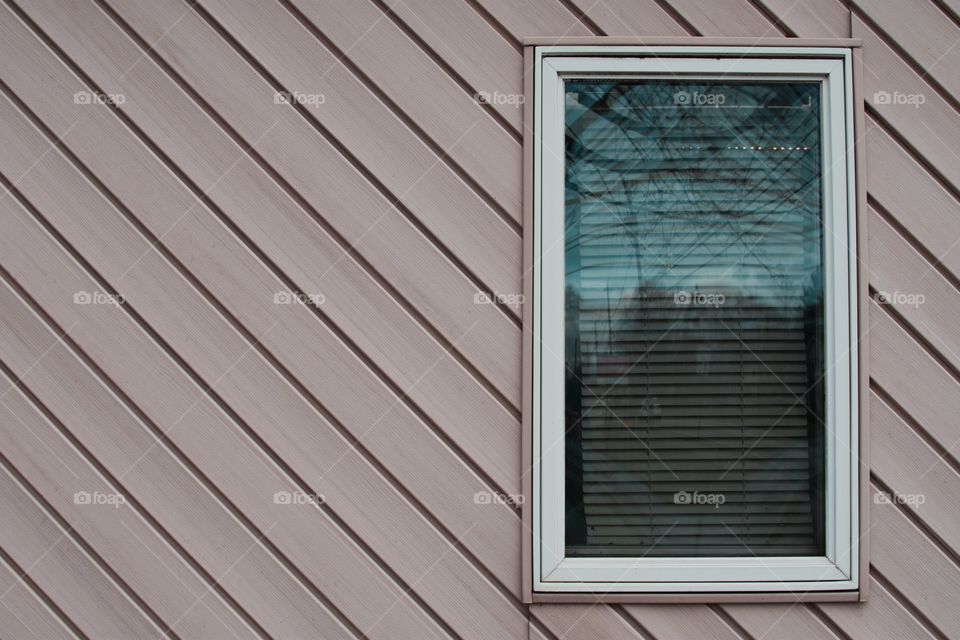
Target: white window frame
column 838, row 569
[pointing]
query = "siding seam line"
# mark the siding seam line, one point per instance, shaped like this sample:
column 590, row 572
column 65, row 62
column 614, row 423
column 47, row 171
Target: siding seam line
column 900, row 412
column 917, row 337
column 922, row 74
column 418, row 316
column 281, row 370
column 934, row 263
column 582, row 17
column 912, row 152
column 542, row 628
column 948, row 11
column 772, row 24
column 438, row 60
column 246, row 430
column 481, row 192
column 215, row 210
column 727, row 619
column 901, row 598
column 340, row 148
column 307, row 397
column 420, row 319
column 40, row 595
column 678, row 17
column 772, row 18
column 110, row 479
column 68, row 531
column 308, row 208
column 917, row 521
column 628, row 619
column 849, row 9
column 496, row 24
column 147, row 423
column 827, row 621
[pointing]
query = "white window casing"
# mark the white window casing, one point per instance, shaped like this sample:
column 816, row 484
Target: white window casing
column 837, row 569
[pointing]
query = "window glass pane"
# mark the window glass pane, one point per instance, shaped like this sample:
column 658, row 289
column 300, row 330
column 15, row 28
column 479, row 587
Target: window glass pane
column 694, row 318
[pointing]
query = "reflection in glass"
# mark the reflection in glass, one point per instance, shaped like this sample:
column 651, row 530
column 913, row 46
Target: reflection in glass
column 694, row 319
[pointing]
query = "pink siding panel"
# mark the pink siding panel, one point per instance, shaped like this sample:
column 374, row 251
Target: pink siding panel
column 398, row 398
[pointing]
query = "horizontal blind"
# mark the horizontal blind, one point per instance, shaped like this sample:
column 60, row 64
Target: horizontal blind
column 694, row 319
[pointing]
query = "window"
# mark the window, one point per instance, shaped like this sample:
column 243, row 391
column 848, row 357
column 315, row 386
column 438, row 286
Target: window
column 694, row 362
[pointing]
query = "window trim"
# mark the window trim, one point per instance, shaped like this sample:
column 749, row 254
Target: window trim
column 711, row 579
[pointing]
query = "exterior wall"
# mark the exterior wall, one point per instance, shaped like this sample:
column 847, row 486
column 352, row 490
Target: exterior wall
column 311, row 416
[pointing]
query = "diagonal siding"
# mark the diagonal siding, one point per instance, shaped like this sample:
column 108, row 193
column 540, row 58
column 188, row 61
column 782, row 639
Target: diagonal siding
column 397, row 197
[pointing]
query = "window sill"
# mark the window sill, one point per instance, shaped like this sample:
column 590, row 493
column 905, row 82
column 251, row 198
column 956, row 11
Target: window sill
column 587, row 597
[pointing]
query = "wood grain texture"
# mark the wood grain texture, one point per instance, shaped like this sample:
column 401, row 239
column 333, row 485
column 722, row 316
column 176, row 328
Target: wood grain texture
column 362, row 221
column 883, row 617
column 319, row 266
column 811, row 19
column 927, row 211
column 23, row 614
column 315, row 538
column 583, row 621
column 678, row 622
column 480, row 55
column 631, row 18
column 909, row 285
column 926, row 127
column 425, row 558
column 898, row 454
column 725, row 18
column 123, row 534
column 398, row 197
column 786, row 621
column 902, row 553
column 924, row 33
column 535, row 18
column 409, row 78
column 58, row 566
column 119, row 439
